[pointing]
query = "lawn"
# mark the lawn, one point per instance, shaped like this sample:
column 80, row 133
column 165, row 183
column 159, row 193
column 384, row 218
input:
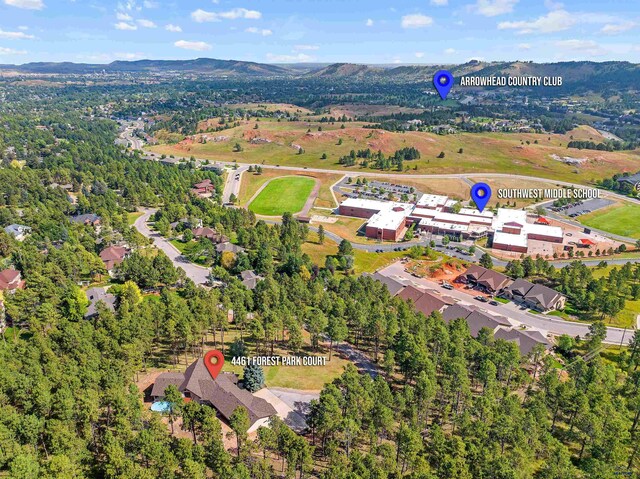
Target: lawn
column 365, row 262
column 133, row 216
column 308, row 378
column 618, row 219
column 281, row 195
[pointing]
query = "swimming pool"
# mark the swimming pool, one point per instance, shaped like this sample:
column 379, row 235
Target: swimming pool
column 160, row 406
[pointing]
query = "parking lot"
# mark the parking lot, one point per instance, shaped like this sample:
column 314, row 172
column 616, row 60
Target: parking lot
column 580, row 207
column 375, row 190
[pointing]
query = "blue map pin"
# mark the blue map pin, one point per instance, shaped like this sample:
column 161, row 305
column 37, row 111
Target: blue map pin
column 481, row 193
column 443, row 81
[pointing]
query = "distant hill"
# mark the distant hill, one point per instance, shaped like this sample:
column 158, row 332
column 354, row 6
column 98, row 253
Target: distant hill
column 620, row 74
column 346, row 70
column 199, row 65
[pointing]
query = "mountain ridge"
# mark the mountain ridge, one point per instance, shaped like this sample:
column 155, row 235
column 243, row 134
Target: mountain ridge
column 575, row 71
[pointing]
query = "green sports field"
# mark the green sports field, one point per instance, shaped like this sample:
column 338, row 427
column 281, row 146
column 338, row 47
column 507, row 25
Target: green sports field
column 618, row 219
column 286, row 194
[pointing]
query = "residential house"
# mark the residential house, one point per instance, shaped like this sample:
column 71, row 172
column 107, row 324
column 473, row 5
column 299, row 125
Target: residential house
column 222, row 393
column 229, row 247
column 96, row 295
column 475, row 318
column 250, row 279
column 534, row 296
column 486, row 279
column 19, row 232
column 393, row 286
column 10, row 280
column 87, row 219
column 526, row 339
column 112, row 256
column 203, row 189
column 210, row 234
column 425, row 301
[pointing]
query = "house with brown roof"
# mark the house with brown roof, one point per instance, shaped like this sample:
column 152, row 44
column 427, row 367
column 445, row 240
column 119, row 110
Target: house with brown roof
column 475, row 318
column 535, row 296
column 425, row 301
column 222, row 393
column 113, row 256
column 209, row 233
column 526, row 339
column 486, row 279
column 203, row 189
column 10, row 280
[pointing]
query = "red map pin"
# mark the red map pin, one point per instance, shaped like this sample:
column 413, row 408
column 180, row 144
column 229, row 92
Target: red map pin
column 214, row 360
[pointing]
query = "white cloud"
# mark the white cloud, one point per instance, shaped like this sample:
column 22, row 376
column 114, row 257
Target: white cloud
column 15, row 35
column 150, row 4
column 553, row 5
column 419, row 54
column 11, row 51
column 23, row 28
column 450, row 51
column 197, row 46
column 172, row 28
column 615, row 28
column 524, row 46
column 439, row 3
column 146, row 23
column 26, row 4
column 129, row 5
column 369, row 22
column 306, row 47
column 265, row 32
column 123, row 17
column 492, row 8
column 125, row 26
column 583, row 47
column 555, row 21
column 300, row 57
column 201, row 16
column 127, row 55
column 416, row 20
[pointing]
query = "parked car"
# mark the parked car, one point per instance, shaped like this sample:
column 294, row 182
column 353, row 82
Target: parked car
column 447, row 286
column 494, row 303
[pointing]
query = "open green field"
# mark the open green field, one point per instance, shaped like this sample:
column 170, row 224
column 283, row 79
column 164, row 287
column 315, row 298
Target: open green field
column 303, row 143
column 281, row 195
column 364, row 261
column 620, row 219
column 251, row 183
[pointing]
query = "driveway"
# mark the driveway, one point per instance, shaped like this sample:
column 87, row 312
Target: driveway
column 198, row 274
column 292, row 414
column 550, row 324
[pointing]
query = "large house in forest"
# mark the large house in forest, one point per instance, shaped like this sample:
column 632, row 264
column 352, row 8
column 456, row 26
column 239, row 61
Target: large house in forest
column 222, row 393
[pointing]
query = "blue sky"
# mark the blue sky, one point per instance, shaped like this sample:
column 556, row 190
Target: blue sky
column 276, row 31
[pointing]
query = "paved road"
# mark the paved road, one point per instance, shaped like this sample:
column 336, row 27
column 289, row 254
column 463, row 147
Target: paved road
column 233, row 182
column 362, row 362
column 127, row 134
column 198, row 274
column 543, row 322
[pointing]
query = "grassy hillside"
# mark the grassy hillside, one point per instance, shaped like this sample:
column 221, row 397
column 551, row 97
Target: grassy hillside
column 278, row 143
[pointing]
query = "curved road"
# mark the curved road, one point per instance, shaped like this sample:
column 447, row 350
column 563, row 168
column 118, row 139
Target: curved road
column 198, row 274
